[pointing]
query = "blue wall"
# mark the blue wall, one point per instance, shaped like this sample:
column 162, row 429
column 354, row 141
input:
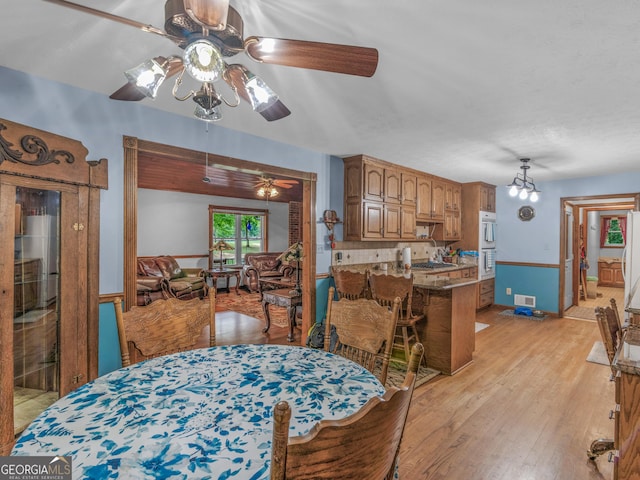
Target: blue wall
column 538, row 241
column 540, row 282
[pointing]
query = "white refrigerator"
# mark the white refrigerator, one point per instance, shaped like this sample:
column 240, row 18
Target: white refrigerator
column 631, row 264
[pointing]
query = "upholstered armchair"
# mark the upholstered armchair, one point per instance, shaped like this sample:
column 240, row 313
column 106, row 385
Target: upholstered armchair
column 264, row 265
column 180, row 283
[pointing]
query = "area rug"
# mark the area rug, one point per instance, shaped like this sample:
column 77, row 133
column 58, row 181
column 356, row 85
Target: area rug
column 584, row 313
column 598, row 354
column 398, row 370
column 250, row 304
column 481, row 326
column 511, row 313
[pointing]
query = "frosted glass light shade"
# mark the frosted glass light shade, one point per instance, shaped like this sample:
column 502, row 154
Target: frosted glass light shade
column 147, row 77
column 203, row 61
column 212, row 115
column 260, row 95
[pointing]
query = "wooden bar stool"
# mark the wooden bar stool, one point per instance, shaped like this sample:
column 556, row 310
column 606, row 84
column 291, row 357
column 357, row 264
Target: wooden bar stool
column 384, row 289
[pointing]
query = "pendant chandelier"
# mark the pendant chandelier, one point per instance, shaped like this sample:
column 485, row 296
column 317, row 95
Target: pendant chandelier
column 523, row 186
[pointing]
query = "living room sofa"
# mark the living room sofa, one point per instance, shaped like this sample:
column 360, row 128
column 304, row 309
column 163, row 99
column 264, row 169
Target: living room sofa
column 172, row 280
column 263, row 265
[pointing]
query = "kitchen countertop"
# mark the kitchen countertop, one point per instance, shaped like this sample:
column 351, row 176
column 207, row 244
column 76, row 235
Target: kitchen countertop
column 422, row 278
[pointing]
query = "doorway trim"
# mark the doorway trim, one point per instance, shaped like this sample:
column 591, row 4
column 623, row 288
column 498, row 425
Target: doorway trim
column 618, row 201
column 134, row 146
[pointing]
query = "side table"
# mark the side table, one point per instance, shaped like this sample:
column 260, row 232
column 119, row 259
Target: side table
column 284, row 297
column 226, row 273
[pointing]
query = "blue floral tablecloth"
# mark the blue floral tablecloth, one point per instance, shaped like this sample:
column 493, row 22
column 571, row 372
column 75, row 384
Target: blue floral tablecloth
column 200, row 414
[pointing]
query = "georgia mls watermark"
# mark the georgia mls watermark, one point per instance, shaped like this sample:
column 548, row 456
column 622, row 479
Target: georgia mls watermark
column 35, row 468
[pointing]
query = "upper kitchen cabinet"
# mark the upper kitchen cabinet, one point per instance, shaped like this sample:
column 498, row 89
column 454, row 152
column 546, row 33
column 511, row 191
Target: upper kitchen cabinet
column 487, row 198
column 380, row 200
column 452, row 196
column 49, row 252
column 431, row 199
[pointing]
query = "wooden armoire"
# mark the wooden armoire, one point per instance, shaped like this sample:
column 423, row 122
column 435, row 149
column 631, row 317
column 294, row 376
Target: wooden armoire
column 49, row 266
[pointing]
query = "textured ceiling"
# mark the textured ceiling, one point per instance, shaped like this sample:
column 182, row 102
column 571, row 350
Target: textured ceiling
column 463, row 88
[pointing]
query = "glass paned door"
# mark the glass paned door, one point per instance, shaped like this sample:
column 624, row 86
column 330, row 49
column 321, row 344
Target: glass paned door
column 36, row 312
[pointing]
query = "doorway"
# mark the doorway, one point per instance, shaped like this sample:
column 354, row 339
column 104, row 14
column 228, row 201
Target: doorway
column 580, row 292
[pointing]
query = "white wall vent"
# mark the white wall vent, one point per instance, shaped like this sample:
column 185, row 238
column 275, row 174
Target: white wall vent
column 524, row 300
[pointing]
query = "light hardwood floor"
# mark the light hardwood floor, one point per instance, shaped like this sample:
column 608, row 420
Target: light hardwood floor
column 527, row 408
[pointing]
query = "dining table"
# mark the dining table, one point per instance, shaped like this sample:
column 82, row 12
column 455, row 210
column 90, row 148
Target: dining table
column 205, row 413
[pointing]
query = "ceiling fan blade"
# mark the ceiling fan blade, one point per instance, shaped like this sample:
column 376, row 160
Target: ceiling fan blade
column 327, row 57
column 115, row 18
column 211, row 14
column 130, row 93
column 275, row 112
column 234, row 75
column 284, row 183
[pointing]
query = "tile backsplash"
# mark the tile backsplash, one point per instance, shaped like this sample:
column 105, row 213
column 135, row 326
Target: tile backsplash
column 351, row 253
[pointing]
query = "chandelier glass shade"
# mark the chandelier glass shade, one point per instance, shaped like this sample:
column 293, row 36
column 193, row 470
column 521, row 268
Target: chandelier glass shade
column 147, row 77
column 523, row 186
column 268, row 192
column 203, row 61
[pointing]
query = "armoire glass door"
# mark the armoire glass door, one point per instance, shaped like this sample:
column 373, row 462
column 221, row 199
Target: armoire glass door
column 36, row 312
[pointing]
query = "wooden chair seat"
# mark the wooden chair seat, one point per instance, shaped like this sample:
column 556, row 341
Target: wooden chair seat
column 164, row 327
column 364, row 445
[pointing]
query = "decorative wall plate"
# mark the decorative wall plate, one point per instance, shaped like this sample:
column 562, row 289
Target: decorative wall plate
column 526, row 213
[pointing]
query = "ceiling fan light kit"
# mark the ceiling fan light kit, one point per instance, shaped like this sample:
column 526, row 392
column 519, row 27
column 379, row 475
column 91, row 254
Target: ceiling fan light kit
column 208, row 31
column 523, row 186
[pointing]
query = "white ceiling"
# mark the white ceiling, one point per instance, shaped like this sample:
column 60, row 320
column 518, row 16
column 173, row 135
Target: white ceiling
column 463, row 88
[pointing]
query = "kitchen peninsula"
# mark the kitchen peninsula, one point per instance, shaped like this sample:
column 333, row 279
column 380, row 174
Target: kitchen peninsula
column 450, row 309
column 448, row 303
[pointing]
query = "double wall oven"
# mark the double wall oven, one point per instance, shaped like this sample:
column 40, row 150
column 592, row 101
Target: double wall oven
column 487, row 244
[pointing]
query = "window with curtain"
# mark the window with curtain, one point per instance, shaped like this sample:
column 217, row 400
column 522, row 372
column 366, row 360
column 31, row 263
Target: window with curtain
column 242, row 229
column 613, row 231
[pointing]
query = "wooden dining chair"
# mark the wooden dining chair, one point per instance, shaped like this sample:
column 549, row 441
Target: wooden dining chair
column 364, row 445
column 164, row 326
column 384, row 289
column 611, row 333
column 350, row 284
column 365, row 332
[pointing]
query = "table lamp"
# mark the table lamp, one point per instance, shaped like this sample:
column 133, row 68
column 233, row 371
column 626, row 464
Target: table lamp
column 220, row 246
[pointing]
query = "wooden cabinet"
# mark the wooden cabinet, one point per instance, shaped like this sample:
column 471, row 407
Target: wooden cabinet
column 380, row 200
column 610, row 274
column 627, row 409
column 430, row 199
column 47, row 348
column 487, row 198
column 453, row 197
column 485, row 293
column 449, row 332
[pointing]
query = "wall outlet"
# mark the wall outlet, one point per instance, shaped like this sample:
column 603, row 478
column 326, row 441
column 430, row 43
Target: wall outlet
column 508, row 291
column 319, row 248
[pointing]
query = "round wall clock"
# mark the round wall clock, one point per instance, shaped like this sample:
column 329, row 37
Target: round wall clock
column 526, row 213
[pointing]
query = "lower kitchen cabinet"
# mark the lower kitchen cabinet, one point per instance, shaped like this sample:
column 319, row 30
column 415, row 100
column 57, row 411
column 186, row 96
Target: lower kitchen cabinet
column 485, row 292
column 627, row 409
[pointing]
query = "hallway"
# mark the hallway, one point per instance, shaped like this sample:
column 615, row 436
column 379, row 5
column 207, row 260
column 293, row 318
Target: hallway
column 585, row 308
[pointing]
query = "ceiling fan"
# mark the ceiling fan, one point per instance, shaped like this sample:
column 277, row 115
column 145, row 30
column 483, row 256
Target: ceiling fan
column 266, row 187
column 210, row 30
